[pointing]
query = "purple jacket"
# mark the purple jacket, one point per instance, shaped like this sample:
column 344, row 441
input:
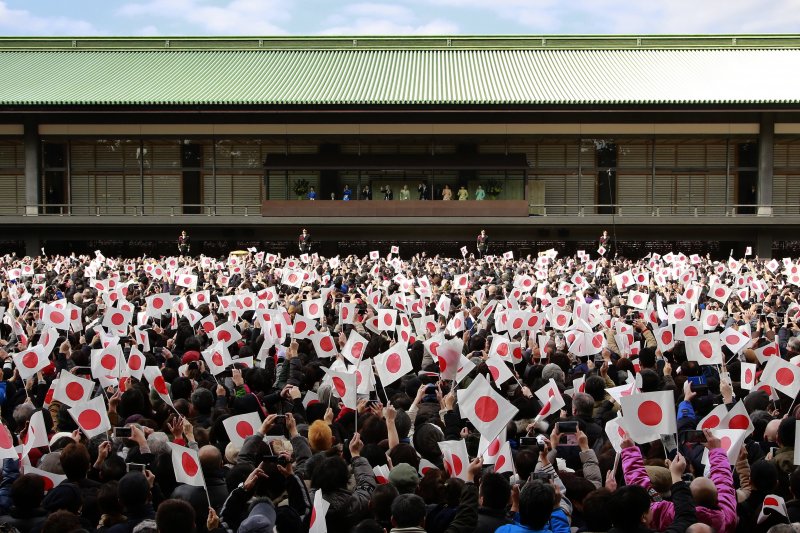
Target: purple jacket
column 723, row 519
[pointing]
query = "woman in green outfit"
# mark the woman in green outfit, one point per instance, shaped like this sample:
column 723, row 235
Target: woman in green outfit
column 480, row 194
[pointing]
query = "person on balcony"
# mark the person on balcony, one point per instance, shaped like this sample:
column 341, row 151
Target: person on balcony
column 405, row 194
column 480, row 194
column 347, row 193
column 304, row 242
column 463, row 194
column 312, row 194
column 447, row 193
column 422, row 189
column 184, row 243
column 366, row 193
column 482, row 243
column 387, row 193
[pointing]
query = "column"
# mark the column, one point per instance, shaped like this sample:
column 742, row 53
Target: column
column 765, row 164
column 32, row 169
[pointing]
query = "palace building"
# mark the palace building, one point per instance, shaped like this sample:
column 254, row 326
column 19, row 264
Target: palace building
column 656, row 138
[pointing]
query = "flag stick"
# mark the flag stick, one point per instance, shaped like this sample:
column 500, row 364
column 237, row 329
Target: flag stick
column 386, row 396
column 205, row 486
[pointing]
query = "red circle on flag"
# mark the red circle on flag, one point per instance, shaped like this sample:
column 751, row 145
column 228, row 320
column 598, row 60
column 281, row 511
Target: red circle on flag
column 56, row 317
column 430, row 326
column 358, row 378
column 624, row 280
column 666, row 337
column 706, row 349
column 89, row 419
column 650, row 413
column 387, row 319
column 135, row 362
column 545, row 408
column 299, row 327
column 356, row 349
column 393, row 363
column 313, row 517
column 494, row 447
column 117, row 319
column 680, row 313
column 158, row 303
column 73, row 314
column 561, row 320
column 493, row 370
column 217, row 359
column 711, row 422
column 486, row 408
column 517, row 323
column 739, row 422
column 30, row 359
column 189, row 464
column 597, row 341
column 74, row 391
column 784, row 376
column 160, row 385
column 326, row 344
column 48, row 483
column 691, row 331
column 500, row 462
column 187, row 281
column 719, row 292
column 244, row 429
column 224, row 336
column 637, row 299
column 748, row 376
column 341, row 389
column 689, row 294
column 5, row 439
column 769, row 500
column 48, row 398
column 202, row 297
column 770, row 350
column 532, row 321
column 457, row 464
column 108, row 361
column 732, row 339
column 712, row 320
column 248, row 302
column 726, row 443
column 502, row 349
column 313, row 309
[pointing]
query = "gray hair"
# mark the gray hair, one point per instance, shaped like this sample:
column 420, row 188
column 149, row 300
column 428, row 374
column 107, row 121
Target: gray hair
column 22, row 413
column 158, row 443
column 582, row 404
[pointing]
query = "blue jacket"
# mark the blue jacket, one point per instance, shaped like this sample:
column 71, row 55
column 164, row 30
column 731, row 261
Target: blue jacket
column 559, row 523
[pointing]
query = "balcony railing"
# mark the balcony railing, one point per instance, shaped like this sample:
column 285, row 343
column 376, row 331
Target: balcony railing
column 544, row 210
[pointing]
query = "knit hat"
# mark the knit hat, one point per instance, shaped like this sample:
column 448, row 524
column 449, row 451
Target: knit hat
column 552, row 370
column 65, row 496
column 404, row 477
column 320, row 436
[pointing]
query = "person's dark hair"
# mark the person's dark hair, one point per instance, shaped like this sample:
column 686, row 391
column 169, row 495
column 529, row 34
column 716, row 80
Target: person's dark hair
column 650, row 380
column 75, row 461
column 583, row 404
column 331, row 475
column 113, row 468
column 495, row 491
column 27, row 491
column 794, row 483
column 763, row 475
column 175, row 516
column 647, row 357
column 408, row 510
column 108, row 499
column 368, row 525
column 596, row 388
column 577, row 486
column 402, row 423
column 404, row 453
column 192, row 344
column 627, row 505
column 786, row 432
column 595, row 510
column 381, row 502
column 62, row 522
column 536, row 503
column 525, row 463
column 132, row 402
column 202, row 400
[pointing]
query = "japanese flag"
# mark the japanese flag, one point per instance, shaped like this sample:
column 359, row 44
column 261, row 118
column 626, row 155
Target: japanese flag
column 649, row 413
column 217, row 358
column 186, row 465
column 665, row 338
column 720, row 292
column 748, row 378
column 324, row 345
column 225, row 333
column 449, row 354
column 738, row 418
column 72, row 390
column 773, row 504
column 490, row 448
column 508, row 255
column 317, row 523
column 365, row 378
column 735, row 341
column 381, row 474
column 500, row 347
column 677, row 313
column 55, row 317
column 456, row 459
column 488, row 411
column 731, row 441
column 498, row 370
column 91, row 417
column 107, row 363
column 354, row 347
column 504, row 461
column 711, row 319
column 714, row 419
column 773, row 265
column 638, row 300
column 551, row 398
column 704, row 349
column 765, row 352
column 117, row 320
column 345, row 386
column 153, row 376
column 461, row 282
column 347, row 313
column 135, row 363
column 30, row 361
column 303, row 327
column 313, row 308
column 187, row 280
column 387, row 318
column 782, row 375
column 393, row 364
column 443, row 306
column 240, row 427
column 7, row 450
column 464, row 251
column 50, row 480
column 615, row 433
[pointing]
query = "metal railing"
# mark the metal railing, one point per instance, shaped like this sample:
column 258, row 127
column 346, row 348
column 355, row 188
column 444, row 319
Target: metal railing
column 584, row 210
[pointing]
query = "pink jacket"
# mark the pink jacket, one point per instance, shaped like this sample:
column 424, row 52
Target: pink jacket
column 723, row 519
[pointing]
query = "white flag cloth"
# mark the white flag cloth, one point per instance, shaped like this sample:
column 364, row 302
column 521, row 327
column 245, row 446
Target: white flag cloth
column 704, row 349
column 796, row 442
column 714, row 419
column 748, row 379
column 72, row 390
column 186, row 465
column 488, row 411
column 30, row 361
column 50, row 480
column 7, row 450
column 91, row 417
column 393, row 364
column 36, row 436
column 345, row 386
column 504, row 461
column 318, row 512
column 783, row 376
column 456, row 459
column 153, row 376
column 649, row 413
column 217, row 358
column 240, row 427
column 449, row 353
column 772, row 504
column 354, row 347
column 498, row 370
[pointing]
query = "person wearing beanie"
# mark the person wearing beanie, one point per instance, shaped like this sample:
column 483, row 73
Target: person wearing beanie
column 404, row 477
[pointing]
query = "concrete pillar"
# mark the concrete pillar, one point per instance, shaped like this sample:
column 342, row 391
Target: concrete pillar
column 766, row 151
column 764, row 244
column 32, row 169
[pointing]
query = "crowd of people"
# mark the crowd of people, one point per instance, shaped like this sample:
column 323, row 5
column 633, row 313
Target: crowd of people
column 423, row 193
column 475, row 394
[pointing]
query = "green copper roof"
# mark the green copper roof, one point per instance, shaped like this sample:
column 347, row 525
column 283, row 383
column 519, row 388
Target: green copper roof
column 401, row 71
